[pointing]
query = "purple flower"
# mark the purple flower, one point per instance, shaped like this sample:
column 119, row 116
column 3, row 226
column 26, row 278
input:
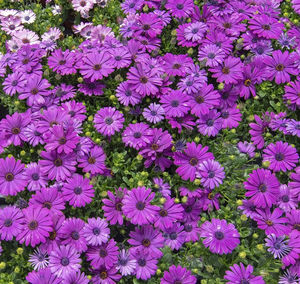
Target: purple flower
column 78, row 191
column 37, row 277
column 178, row 274
column 34, row 176
column 39, row 259
column 137, row 135
column 154, row 114
column 180, row 8
column 105, row 254
column 126, row 263
column 263, row 188
column 62, row 62
column 75, row 109
column 176, row 65
column 294, row 245
column 14, row 83
column 11, row 221
column 210, row 123
column 127, row 95
column 241, row 274
column 103, row 275
column 257, row 130
column 137, row 207
column 293, row 127
column 211, row 173
column 219, row 236
column 76, row 278
column 195, row 31
column 292, row 92
column 91, row 88
column 289, row 277
column 188, row 160
column 108, row 120
column 12, row 179
column 277, row 245
column 287, row 200
column 247, row 148
column 280, row 66
column 174, row 236
column 271, row 222
column 211, row 54
column 131, row 6
column 192, row 231
column 96, row 231
column 186, row 121
column 64, row 260
column 36, row 226
column 149, row 25
column 231, row 117
column 120, row 57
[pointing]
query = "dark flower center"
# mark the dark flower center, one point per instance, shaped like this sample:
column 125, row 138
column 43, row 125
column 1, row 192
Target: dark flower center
column 77, row 190
column 193, row 161
column 96, row 231
column 210, row 196
column 72, row 113
column 47, row 205
column 189, row 83
column 25, row 61
column 174, row 103
column 97, row 67
column 219, row 235
column 103, row 275
column 146, row 243
column 53, row 123
column 176, row 66
column 91, row 160
column 109, row 120
column 163, row 213
column 142, row 262
column 211, row 55
column 279, row 67
column 16, row 130
column 123, row 261
column 296, row 227
column 34, row 91
column 210, row 122
column 131, row 5
column 279, row 157
column 262, row 188
column 82, row 3
column 188, row 228
column 140, row 205
column 143, row 80
column 277, row 245
column 179, row 6
column 103, row 252
column 173, row 236
column 146, row 27
column 9, row 176
column 27, row 18
column 269, row 222
column 58, row 162
column 177, row 282
column 32, row 225
column 211, row 174
column 35, row 176
column 62, row 140
column 75, row 235
column 137, row 134
column 225, row 114
column 52, row 235
column 64, row 261
column 118, row 206
column 195, row 30
column 153, row 113
column 244, row 281
column 225, row 70
column 227, row 25
column 128, row 93
column 62, row 62
column 188, row 209
column 118, row 58
column 266, row 27
column 199, row 99
column 12, row 27
column 14, row 83
column 8, row 222
column 154, row 147
column 247, row 82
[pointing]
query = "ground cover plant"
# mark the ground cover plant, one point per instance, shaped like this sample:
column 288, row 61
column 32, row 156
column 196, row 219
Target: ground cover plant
column 150, row 141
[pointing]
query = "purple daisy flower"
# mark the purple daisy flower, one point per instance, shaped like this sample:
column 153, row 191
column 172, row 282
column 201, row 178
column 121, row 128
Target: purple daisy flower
column 220, row 237
column 126, row 263
column 137, row 207
column 287, row 200
column 174, row 236
column 211, row 174
column 178, row 274
column 113, row 206
column 175, row 104
column 91, row 88
column 257, row 130
column 78, row 191
column 146, row 264
column 34, row 176
column 277, row 245
column 105, row 254
column 108, row 120
column 38, row 277
column 57, row 166
column 293, row 127
column 64, row 92
column 147, row 238
column 230, row 117
column 294, row 244
column 247, row 148
column 242, row 274
column 11, row 221
column 180, row 8
column 195, row 31
column 176, row 65
column 39, row 259
column 154, row 113
column 12, row 179
column 192, row 209
column 75, row 277
column 210, row 123
column 137, row 135
column 14, row 83
column 272, row 222
column 189, row 159
column 64, row 260
column 96, row 231
column 106, row 276
column 211, row 54
column 192, row 231
column 36, row 226
column 190, row 84
column 162, row 187
column 75, row 109
column 249, row 208
column 263, row 188
column 292, row 91
column 62, row 62
column 72, row 234
column 282, row 156
column 186, row 121
column 96, row 65
column 127, row 95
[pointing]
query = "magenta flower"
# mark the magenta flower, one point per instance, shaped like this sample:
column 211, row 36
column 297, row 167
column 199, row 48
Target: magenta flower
column 211, row 54
column 126, row 263
column 174, row 236
column 36, row 226
column 189, row 159
column 96, row 231
column 11, row 221
column 263, row 188
column 287, row 200
column 78, row 191
column 292, row 92
column 154, row 113
column 108, row 120
column 76, row 278
column 282, row 156
column 178, row 274
column 220, row 237
column 37, row 277
column 241, row 274
column 137, row 207
column 103, row 275
column 180, row 8
column 12, row 179
column 148, row 24
column 14, row 83
column 36, row 180
column 176, row 65
column 62, row 62
column 127, row 95
column 210, row 123
column 257, row 130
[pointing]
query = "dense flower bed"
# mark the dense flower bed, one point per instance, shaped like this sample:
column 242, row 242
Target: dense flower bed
column 149, row 141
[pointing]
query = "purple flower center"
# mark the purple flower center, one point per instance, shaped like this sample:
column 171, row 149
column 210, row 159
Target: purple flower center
column 77, row 190
column 193, row 161
column 118, row 58
column 173, row 236
column 179, row 6
column 137, row 135
column 211, row 174
column 47, row 205
column 146, row 243
column 58, row 162
column 154, row 147
column 189, row 83
column 131, row 5
column 9, row 177
column 225, row 70
column 103, row 275
column 225, row 114
column 277, row 245
column 142, row 262
column 227, row 25
column 219, row 235
column 16, row 130
column 64, row 261
column 12, row 27
column 123, row 261
column 262, row 188
column 128, row 93
column 195, row 30
column 103, row 252
column 118, row 206
column 140, row 205
column 34, row 91
column 279, row 67
column 72, row 113
column 75, row 235
column 188, row 228
column 109, row 120
column 32, row 225
column 143, row 80
column 8, row 222
column 188, row 209
column 62, row 140
column 146, row 27
column 285, row 198
column 176, row 66
column 91, row 160
column 96, row 231
column 266, row 27
column 82, row 3
column 174, row 103
column 279, row 157
column 97, row 67
column 163, row 213
column 153, row 112
column 27, row 18
column 35, row 176
column 211, row 55
column 244, row 281
column 14, row 83
column 210, row 122
column 62, row 62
